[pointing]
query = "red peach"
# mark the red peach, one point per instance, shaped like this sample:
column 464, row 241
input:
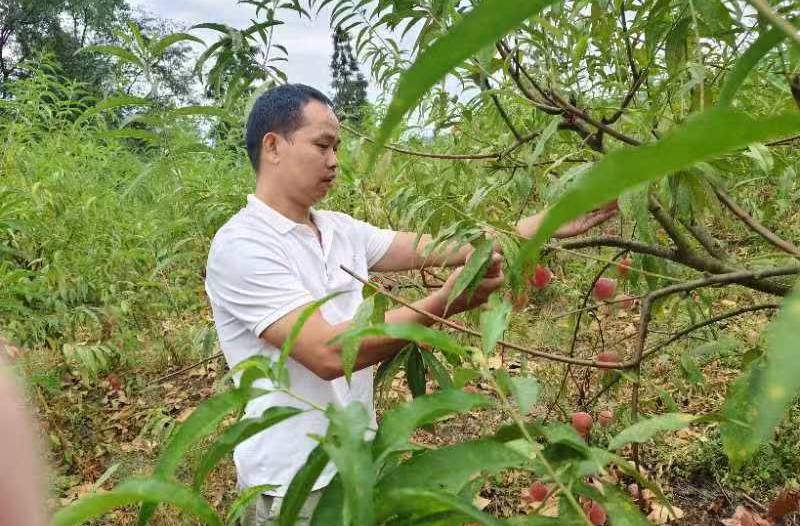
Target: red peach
column 582, row 422
column 541, row 277
column 607, row 357
column 537, row 491
column 597, row 515
column 605, row 417
column 604, row 288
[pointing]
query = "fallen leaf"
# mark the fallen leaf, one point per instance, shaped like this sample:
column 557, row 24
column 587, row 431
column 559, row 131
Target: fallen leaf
column 786, row 502
column 744, row 517
column 480, row 502
column 660, row 514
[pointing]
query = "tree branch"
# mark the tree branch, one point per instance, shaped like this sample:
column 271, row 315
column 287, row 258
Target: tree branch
column 691, row 260
column 455, row 156
column 754, row 225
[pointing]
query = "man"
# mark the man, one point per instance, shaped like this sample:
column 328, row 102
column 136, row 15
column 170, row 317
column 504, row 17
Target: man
column 278, row 254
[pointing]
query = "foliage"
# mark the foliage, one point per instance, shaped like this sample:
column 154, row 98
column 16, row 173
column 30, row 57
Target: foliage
column 108, row 206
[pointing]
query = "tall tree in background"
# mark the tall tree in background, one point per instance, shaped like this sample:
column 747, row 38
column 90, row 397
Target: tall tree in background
column 350, row 86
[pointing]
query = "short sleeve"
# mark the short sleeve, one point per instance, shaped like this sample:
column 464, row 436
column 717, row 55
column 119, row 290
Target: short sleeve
column 376, row 241
column 254, row 282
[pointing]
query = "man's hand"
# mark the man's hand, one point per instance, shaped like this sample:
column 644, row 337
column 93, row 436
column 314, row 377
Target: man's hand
column 527, row 227
column 587, row 221
column 491, row 281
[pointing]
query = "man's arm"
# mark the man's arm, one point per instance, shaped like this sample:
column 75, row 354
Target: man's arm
column 314, row 351
column 405, row 254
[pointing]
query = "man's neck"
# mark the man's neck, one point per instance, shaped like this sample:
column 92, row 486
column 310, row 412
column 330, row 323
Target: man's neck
column 283, row 204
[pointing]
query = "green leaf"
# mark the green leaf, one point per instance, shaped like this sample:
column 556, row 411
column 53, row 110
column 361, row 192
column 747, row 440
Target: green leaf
column 426, row 501
column 620, row 508
column 738, row 439
column 646, row 429
column 675, row 53
column 173, row 39
column 129, row 133
column 480, row 27
column 305, row 314
column 494, row 322
column 117, row 51
column 352, row 455
column 437, row 369
column 330, row 508
column 301, row 486
column 201, row 423
column 746, row 62
column 362, row 318
column 244, row 499
column 132, row 491
column 111, row 103
column 473, row 271
column 237, row 433
column 524, row 390
column 416, row 372
column 200, row 110
column 703, row 136
column 448, row 468
column 760, row 399
column 400, row 422
column 411, row 332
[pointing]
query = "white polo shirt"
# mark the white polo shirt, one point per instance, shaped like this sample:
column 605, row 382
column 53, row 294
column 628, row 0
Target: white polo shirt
column 261, row 266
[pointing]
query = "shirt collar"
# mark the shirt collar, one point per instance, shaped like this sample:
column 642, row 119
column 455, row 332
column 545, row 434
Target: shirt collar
column 278, row 221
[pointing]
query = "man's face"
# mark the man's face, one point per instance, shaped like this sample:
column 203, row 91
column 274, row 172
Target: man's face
column 306, row 160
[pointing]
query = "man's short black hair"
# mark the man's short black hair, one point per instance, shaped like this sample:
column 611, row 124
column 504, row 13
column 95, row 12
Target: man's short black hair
column 278, row 110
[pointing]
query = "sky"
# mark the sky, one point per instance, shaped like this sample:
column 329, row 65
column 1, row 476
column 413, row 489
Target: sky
column 308, row 42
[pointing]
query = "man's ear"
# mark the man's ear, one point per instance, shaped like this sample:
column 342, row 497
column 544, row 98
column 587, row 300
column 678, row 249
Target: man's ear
column 269, row 148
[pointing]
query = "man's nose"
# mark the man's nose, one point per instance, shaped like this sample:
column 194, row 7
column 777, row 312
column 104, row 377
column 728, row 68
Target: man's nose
column 333, row 161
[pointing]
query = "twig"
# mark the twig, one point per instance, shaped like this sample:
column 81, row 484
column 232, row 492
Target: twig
column 699, row 325
column 502, row 343
column 691, row 260
column 776, row 19
column 754, row 225
column 685, row 332
column 452, row 156
column 502, row 111
column 185, row 369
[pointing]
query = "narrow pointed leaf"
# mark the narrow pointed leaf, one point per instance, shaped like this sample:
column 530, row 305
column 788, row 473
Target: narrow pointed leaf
column 305, row 314
column 238, row 433
column 767, row 390
column 132, row 491
column 746, row 62
column 362, row 318
column 481, row 27
column 117, row 51
column 473, row 271
column 202, row 422
column 704, row 136
column 437, row 369
column 411, row 332
column 620, row 508
column 494, row 322
column 427, row 501
column 647, row 429
column 171, row 40
column 244, row 499
column 301, row 486
column 352, row 455
column 399, row 423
